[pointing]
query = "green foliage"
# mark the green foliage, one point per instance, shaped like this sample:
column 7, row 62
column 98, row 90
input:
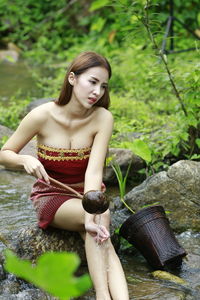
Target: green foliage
column 12, row 116
column 124, row 244
column 53, row 273
column 43, row 28
column 148, row 108
column 185, row 11
column 98, row 4
column 3, row 140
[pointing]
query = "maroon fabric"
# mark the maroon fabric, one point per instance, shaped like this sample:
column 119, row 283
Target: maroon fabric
column 47, row 199
column 67, row 166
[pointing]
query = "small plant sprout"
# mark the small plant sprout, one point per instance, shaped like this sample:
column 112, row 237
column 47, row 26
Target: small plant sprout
column 122, row 181
column 139, row 148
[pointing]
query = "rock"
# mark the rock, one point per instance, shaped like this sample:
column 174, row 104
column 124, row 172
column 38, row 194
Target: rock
column 30, row 242
column 123, row 157
column 10, row 56
column 29, row 149
column 177, row 190
column 5, row 131
column 34, row 294
column 163, row 275
column 12, row 46
column 10, row 287
column 187, row 173
column 2, row 273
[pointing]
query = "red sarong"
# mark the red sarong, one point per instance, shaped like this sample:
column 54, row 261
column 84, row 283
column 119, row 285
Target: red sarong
column 66, row 166
column 47, row 199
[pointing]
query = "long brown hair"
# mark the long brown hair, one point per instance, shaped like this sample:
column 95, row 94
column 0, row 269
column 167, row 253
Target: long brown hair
column 81, row 63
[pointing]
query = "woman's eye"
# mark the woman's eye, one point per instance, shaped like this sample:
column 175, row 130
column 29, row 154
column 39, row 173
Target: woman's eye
column 92, row 81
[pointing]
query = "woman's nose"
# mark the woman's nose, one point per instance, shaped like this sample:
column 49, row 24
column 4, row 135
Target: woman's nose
column 97, row 90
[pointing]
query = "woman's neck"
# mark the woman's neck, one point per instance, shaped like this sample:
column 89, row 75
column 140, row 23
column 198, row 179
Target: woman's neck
column 74, row 110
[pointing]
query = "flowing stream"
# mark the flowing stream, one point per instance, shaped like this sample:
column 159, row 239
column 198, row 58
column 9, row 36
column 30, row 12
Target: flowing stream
column 16, row 212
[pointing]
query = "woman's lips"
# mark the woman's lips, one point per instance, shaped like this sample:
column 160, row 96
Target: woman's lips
column 92, row 100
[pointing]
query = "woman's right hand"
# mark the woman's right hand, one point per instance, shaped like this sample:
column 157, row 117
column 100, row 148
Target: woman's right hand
column 34, row 167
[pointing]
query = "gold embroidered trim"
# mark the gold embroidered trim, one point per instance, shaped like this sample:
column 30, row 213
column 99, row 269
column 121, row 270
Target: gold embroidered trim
column 54, row 149
column 61, row 157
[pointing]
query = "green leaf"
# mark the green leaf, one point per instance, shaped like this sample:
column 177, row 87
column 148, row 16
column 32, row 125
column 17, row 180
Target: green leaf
column 121, row 181
column 109, row 159
column 197, row 141
column 139, row 148
column 195, row 156
column 198, row 18
column 98, row 4
column 133, row 19
column 124, row 2
column 98, row 25
column 53, row 273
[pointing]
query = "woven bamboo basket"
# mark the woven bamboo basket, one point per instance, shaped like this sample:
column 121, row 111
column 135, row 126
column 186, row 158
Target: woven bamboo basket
column 149, row 231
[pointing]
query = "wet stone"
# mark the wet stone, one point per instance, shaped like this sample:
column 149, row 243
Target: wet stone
column 2, row 273
column 8, row 297
column 198, row 288
column 10, row 287
column 33, row 294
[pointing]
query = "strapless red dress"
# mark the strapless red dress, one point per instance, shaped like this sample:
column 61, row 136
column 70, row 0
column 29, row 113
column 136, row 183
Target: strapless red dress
column 66, row 166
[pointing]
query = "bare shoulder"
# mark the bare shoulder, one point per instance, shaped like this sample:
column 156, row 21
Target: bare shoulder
column 103, row 115
column 36, row 118
column 29, row 127
column 41, row 113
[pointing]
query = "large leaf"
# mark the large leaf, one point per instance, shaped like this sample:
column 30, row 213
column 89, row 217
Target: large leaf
column 139, row 148
column 53, row 273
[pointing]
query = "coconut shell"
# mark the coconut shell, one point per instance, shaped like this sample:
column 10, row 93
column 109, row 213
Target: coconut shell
column 95, row 202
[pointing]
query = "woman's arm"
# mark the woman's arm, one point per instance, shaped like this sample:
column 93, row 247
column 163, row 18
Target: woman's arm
column 94, row 173
column 28, row 128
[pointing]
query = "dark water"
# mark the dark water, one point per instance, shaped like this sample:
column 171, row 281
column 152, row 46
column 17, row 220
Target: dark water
column 17, row 79
column 16, row 212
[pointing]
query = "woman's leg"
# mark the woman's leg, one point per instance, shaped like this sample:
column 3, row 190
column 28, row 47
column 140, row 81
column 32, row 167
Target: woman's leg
column 71, row 216
column 97, row 265
column 103, row 263
column 116, row 278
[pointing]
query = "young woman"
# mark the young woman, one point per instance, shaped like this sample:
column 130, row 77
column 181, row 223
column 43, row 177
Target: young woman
column 73, row 133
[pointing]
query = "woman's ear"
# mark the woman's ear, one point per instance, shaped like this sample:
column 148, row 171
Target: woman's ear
column 71, row 78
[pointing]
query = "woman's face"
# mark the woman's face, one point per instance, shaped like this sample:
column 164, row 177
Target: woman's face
column 89, row 87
